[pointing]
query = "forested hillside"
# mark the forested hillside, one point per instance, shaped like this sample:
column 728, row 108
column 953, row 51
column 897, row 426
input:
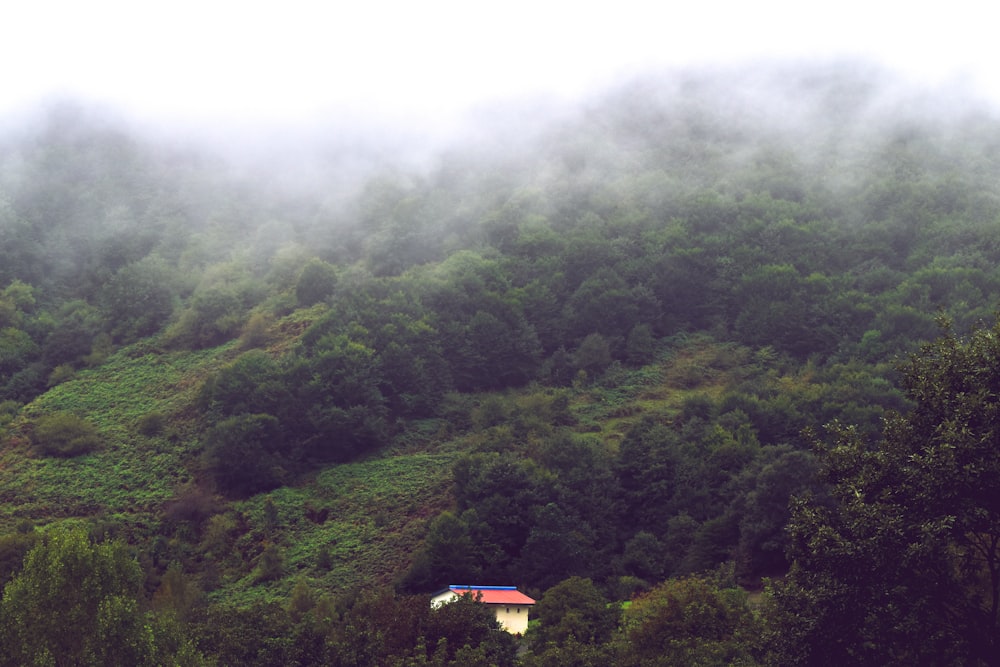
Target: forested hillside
column 708, row 366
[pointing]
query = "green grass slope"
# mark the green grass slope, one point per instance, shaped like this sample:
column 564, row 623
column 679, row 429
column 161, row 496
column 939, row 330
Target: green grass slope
column 131, row 474
column 341, row 527
column 367, row 516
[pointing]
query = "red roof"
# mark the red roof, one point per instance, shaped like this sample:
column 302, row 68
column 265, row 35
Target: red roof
column 494, row 594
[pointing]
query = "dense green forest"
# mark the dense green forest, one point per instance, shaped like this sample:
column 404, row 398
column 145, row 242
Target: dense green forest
column 709, row 366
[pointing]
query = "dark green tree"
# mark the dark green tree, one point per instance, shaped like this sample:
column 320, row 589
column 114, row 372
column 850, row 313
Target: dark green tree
column 647, row 467
column 640, row 346
column 77, row 325
column 558, row 545
column 505, row 492
column 604, row 304
column 469, row 628
column 316, row 282
column 449, row 555
column 17, row 349
column 593, row 356
column 341, row 411
column 764, row 511
column 688, row 621
column 241, row 453
column 214, row 315
column 76, row 603
column 573, row 609
column 904, row 568
column 253, row 383
column 139, row 299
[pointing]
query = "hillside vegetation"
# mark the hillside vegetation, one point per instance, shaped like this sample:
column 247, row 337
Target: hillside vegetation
column 699, row 337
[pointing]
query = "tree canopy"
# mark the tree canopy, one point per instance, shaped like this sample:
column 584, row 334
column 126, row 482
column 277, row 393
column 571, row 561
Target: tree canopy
column 904, row 566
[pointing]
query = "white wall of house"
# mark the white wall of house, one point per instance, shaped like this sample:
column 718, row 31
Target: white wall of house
column 513, row 618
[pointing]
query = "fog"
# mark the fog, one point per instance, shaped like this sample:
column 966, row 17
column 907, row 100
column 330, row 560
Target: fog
column 310, row 97
column 246, row 72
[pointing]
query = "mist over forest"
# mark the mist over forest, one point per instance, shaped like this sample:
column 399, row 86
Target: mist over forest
column 705, row 363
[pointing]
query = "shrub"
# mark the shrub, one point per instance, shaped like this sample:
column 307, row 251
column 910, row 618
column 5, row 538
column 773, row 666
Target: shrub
column 240, row 454
column 254, row 333
column 192, row 503
column 151, row 424
column 64, row 434
column 270, row 566
column 8, row 410
column 60, row 374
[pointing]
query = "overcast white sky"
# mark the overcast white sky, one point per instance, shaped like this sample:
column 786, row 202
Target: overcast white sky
column 296, row 60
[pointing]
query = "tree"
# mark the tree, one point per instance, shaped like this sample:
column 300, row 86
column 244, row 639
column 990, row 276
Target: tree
column 469, row 628
column 593, row 355
column 337, row 389
column 177, row 593
column 139, row 299
column 647, row 469
column 764, row 511
column 241, row 453
column 214, row 315
column 504, row 491
column 498, row 352
column 16, row 350
column 316, row 282
column 16, row 300
column 603, row 304
column 640, row 346
column 449, row 554
column 688, row 621
column 574, row 609
column 75, row 603
column 72, row 338
column 643, row 556
column 558, row 545
column 414, row 369
column 253, row 383
column 904, row 567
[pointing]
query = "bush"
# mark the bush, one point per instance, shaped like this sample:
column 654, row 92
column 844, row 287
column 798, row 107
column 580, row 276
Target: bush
column 8, row 410
column 254, row 333
column 64, row 434
column 151, row 424
column 60, row 374
column 270, row 566
column 240, row 454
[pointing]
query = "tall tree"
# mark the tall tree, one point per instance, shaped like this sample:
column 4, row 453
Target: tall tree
column 76, row 603
column 904, row 568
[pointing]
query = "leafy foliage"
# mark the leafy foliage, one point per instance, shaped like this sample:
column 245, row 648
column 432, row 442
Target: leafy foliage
column 904, row 563
column 574, row 609
column 138, row 299
column 688, row 621
column 242, row 455
column 316, row 282
column 64, row 434
column 69, row 583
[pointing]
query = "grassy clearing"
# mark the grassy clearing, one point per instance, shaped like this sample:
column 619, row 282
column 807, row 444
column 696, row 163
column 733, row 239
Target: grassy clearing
column 345, row 526
column 131, row 473
column 368, row 516
column 697, row 365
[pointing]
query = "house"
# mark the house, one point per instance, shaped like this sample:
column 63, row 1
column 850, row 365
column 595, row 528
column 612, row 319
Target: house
column 510, row 605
